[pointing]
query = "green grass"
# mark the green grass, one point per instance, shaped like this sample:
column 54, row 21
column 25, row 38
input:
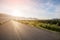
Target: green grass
column 38, row 24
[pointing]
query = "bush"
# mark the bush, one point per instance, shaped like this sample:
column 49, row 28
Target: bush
column 36, row 23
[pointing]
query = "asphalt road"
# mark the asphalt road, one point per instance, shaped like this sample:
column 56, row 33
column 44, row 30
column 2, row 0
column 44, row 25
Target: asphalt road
column 13, row 30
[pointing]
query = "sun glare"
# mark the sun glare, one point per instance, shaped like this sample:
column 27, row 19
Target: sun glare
column 16, row 13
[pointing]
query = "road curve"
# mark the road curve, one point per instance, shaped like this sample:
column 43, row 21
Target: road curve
column 13, row 30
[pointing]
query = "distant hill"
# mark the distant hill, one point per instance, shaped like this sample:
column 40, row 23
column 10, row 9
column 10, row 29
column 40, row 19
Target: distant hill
column 4, row 17
column 23, row 18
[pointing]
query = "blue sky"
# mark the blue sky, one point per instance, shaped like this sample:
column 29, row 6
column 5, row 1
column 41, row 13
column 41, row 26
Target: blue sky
column 42, row 9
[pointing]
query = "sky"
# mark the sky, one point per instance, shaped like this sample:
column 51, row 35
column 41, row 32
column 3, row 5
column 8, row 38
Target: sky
column 42, row 9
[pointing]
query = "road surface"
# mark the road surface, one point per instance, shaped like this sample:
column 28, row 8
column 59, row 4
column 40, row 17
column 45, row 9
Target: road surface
column 13, row 30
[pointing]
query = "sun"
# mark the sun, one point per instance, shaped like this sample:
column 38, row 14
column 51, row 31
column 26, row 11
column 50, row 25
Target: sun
column 16, row 13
